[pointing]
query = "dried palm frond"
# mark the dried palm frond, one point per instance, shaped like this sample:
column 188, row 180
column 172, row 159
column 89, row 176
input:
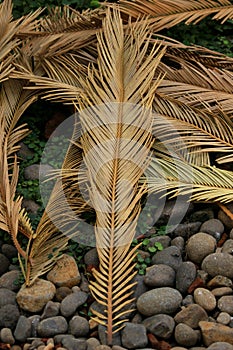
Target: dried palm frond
column 207, row 184
column 183, row 127
column 116, row 120
column 168, row 13
column 13, row 102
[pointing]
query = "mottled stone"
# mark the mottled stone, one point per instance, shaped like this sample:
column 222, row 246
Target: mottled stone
column 191, row 315
column 228, row 246
column 65, row 272
column 212, row 227
column 224, row 318
column 36, row 171
column 74, row 344
column 225, row 219
column 225, row 304
column 163, row 300
column 202, row 215
column 7, row 336
column 163, row 240
column 134, row 336
column 185, row 276
column 70, row 303
column 7, row 297
column 35, row 297
column 160, row 325
column 185, row 335
column 219, row 292
column 9, row 251
column 220, row 346
column 4, row 264
column 9, row 280
column 52, row 326
column 218, row 264
column 140, row 287
column 178, row 242
column 199, row 246
column 92, row 343
column 186, row 230
column 215, row 332
column 160, row 276
column 30, row 206
column 205, row 299
column 220, row 281
column 170, row 256
column 62, row 292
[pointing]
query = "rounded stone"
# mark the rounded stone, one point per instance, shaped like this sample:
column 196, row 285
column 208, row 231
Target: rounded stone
column 65, row 272
column 9, row 280
column 224, row 318
column 7, row 297
column 9, row 315
column 219, row 292
column 218, row 264
column 220, row 281
column 4, row 264
column 164, row 300
column 51, row 309
column 62, row 292
column 52, row 326
column 212, row 227
column 92, row 343
column 185, row 276
column 185, row 335
column 9, row 251
column 225, row 304
column 23, row 329
column 160, row 325
column 35, row 297
column 134, row 336
column 70, row 303
column 224, row 218
column 170, row 256
column 160, row 276
column 36, row 171
column 205, row 299
column 220, row 346
column 7, row 336
column 178, row 242
column 79, row 326
column 91, row 258
column 228, row 246
column 215, row 332
column 191, row 315
column 199, row 246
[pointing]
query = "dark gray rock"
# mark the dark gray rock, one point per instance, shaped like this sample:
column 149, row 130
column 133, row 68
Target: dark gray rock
column 7, row 297
column 58, row 339
column 160, row 276
column 74, row 344
column 10, row 280
column 185, row 335
column 202, row 215
column 9, row 315
column 61, row 293
column 23, row 329
column 224, row 218
column 186, row 230
column 51, row 309
column 133, row 336
column 4, row 264
column 30, row 206
column 52, row 326
column 170, row 256
column 213, row 227
column 160, row 325
column 91, row 257
column 140, row 287
column 84, row 285
column 163, row 300
column 178, row 242
column 7, row 336
column 35, row 320
column 185, row 275
column 174, row 208
column 218, row 264
column 92, row 343
column 225, row 304
column 191, row 315
column 199, row 246
column 188, row 300
column 79, row 326
column 71, row 302
column 9, row 251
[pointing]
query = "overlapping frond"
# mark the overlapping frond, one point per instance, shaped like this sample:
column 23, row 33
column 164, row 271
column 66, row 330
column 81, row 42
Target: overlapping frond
column 179, row 178
column 180, row 126
column 116, row 120
column 168, row 13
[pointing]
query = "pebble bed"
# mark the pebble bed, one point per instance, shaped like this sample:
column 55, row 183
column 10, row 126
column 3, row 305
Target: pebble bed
column 184, row 301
